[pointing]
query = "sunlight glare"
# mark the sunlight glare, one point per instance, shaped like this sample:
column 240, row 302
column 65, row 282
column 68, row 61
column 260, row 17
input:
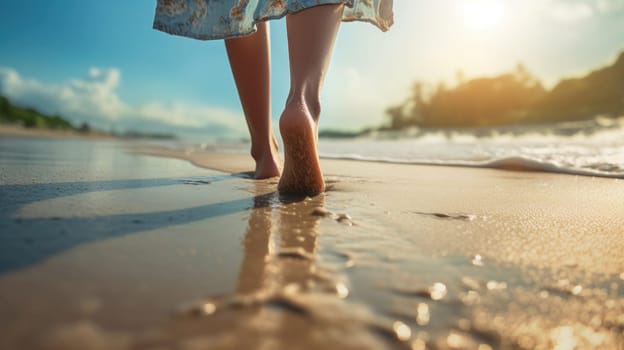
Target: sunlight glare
column 482, row 14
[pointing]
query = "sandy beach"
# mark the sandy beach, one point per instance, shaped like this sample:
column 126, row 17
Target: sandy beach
column 114, row 246
column 19, row 131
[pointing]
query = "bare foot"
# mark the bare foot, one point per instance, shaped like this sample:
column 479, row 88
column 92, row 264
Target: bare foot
column 267, row 162
column 302, row 170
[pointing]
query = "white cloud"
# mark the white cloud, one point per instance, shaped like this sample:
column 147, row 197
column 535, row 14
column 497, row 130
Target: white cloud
column 188, row 115
column 94, row 99
column 80, row 99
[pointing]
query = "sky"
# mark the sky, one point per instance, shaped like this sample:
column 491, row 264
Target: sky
column 101, row 61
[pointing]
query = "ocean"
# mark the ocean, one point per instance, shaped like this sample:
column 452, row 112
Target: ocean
column 593, row 148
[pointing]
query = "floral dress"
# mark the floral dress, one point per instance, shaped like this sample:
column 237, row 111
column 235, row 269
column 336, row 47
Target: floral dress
column 220, row 19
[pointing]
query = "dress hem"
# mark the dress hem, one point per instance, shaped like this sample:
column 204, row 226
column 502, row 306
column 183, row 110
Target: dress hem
column 174, row 31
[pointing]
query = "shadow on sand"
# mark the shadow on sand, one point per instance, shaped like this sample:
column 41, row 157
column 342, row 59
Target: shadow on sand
column 25, row 241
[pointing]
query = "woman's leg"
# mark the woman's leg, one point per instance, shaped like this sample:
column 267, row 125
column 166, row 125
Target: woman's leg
column 311, row 36
column 250, row 60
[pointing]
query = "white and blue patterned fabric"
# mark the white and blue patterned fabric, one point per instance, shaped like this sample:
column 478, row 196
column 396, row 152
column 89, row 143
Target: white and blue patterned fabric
column 221, row 19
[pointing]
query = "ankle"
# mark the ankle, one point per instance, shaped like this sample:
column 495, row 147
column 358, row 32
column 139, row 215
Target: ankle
column 261, row 147
column 267, row 160
column 309, row 105
column 259, row 153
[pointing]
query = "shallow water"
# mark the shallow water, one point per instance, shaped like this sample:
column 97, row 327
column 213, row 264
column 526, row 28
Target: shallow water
column 594, row 148
column 101, row 249
column 600, row 153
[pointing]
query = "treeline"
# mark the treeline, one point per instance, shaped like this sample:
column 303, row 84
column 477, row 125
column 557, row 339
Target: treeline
column 517, row 97
column 30, row 118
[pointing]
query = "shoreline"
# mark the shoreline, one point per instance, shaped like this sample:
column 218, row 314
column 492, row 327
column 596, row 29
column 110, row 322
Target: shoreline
column 586, row 203
column 511, row 163
column 18, row 131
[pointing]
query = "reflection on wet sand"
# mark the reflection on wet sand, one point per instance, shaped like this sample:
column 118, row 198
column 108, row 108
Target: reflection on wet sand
column 283, row 298
column 280, row 257
column 278, row 264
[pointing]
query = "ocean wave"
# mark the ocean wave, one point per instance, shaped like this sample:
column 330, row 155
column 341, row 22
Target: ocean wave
column 515, row 163
column 589, row 148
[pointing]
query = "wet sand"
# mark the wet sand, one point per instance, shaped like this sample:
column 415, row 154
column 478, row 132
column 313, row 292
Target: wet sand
column 157, row 253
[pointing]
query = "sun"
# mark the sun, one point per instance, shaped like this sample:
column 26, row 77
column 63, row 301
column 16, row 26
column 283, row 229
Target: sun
column 482, row 14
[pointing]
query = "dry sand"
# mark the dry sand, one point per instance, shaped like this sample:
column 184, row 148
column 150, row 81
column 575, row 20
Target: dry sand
column 392, row 256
